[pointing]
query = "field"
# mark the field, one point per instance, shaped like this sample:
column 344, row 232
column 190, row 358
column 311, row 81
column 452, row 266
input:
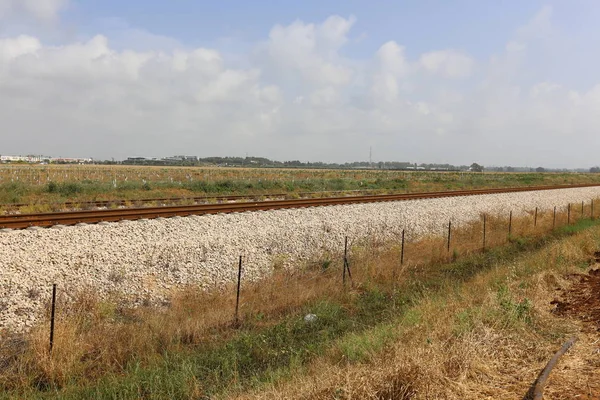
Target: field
column 38, row 184
column 440, row 315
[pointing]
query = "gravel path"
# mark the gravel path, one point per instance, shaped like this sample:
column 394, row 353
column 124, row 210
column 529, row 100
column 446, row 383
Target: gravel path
column 146, row 259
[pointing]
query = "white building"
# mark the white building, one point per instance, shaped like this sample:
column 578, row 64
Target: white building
column 28, row 159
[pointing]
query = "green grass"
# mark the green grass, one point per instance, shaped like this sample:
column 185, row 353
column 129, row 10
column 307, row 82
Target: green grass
column 577, row 227
column 92, row 183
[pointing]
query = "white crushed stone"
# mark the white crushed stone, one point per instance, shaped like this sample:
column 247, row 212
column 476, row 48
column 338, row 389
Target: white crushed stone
column 145, row 261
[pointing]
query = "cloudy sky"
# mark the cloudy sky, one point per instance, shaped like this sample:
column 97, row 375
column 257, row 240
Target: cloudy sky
column 499, row 83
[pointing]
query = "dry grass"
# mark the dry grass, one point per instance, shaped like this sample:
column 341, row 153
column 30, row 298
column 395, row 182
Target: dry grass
column 448, row 340
column 95, row 336
column 485, row 340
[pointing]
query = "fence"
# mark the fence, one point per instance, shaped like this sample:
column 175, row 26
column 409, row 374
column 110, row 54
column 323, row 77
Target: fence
column 451, row 243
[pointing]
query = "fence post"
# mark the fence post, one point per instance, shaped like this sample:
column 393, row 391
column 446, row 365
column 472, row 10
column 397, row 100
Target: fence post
column 510, row 223
column 402, row 249
column 52, row 313
column 554, row 218
column 346, row 264
column 237, row 300
column 592, row 211
column 535, row 218
column 582, row 209
column 484, row 232
column 569, row 214
column 449, row 234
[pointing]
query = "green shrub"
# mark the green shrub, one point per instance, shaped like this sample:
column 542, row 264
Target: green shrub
column 52, row 187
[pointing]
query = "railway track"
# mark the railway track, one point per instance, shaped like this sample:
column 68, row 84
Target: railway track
column 125, row 202
column 175, row 200
column 21, row 221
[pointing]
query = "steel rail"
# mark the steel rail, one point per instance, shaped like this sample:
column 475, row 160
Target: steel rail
column 126, row 202
column 20, row 221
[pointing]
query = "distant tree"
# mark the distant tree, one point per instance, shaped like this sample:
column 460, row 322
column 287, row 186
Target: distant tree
column 595, row 170
column 476, row 167
column 294, row 163
column 510, row 169
column 540, row 169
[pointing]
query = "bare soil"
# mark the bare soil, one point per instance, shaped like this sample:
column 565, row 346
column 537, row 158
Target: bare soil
column 582, row 301
column 577, row 376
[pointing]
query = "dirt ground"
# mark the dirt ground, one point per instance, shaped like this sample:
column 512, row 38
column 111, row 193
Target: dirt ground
column 577, row 375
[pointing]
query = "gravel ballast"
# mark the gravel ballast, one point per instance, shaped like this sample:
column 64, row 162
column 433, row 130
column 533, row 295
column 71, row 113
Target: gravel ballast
column 145, row 260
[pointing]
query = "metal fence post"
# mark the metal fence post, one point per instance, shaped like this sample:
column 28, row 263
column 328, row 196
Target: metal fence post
column 346, row 263
column 449, row 234
column 569, row 213
column 510, row 223
column 554, row 218
column 52, row 313
column 402, row 249
column 344, row 260
column 237, row 300
column 484, row 232
column 535, row 217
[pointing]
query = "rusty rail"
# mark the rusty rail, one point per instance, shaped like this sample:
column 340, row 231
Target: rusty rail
column 20, row 221
column 172, row 200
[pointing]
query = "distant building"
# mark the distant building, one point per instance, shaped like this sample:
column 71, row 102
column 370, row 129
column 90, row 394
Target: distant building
column 181, row 159
column 27, row 159
column 32, row 159
column 71, row 160
column 164, row 160
column 137, row 159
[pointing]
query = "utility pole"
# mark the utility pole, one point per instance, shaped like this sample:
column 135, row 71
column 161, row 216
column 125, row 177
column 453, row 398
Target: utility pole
column 370, row 156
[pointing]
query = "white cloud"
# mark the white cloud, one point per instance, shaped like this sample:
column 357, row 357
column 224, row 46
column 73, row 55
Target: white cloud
column 448, row 63
column 11, row 48
column 392, row 59
column 311, row 51
column 539, row 26
column 61, row 97
column 326, row 97
column 43, row 10
column 392, row 66
column 544, row 89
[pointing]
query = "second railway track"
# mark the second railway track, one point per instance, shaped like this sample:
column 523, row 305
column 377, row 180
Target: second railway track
column 21, row 221
column 164, row 201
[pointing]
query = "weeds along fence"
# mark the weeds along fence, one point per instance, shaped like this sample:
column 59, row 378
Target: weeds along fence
column 356, row 264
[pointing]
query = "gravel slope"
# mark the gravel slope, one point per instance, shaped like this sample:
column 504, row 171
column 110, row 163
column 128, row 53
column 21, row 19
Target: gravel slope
column 146, row 259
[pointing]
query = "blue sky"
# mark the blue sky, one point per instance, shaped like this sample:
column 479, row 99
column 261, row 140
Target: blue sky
column 457, row 24
column 421, row 81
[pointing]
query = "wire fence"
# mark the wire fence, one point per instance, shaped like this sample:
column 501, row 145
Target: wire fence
column 448, row 245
